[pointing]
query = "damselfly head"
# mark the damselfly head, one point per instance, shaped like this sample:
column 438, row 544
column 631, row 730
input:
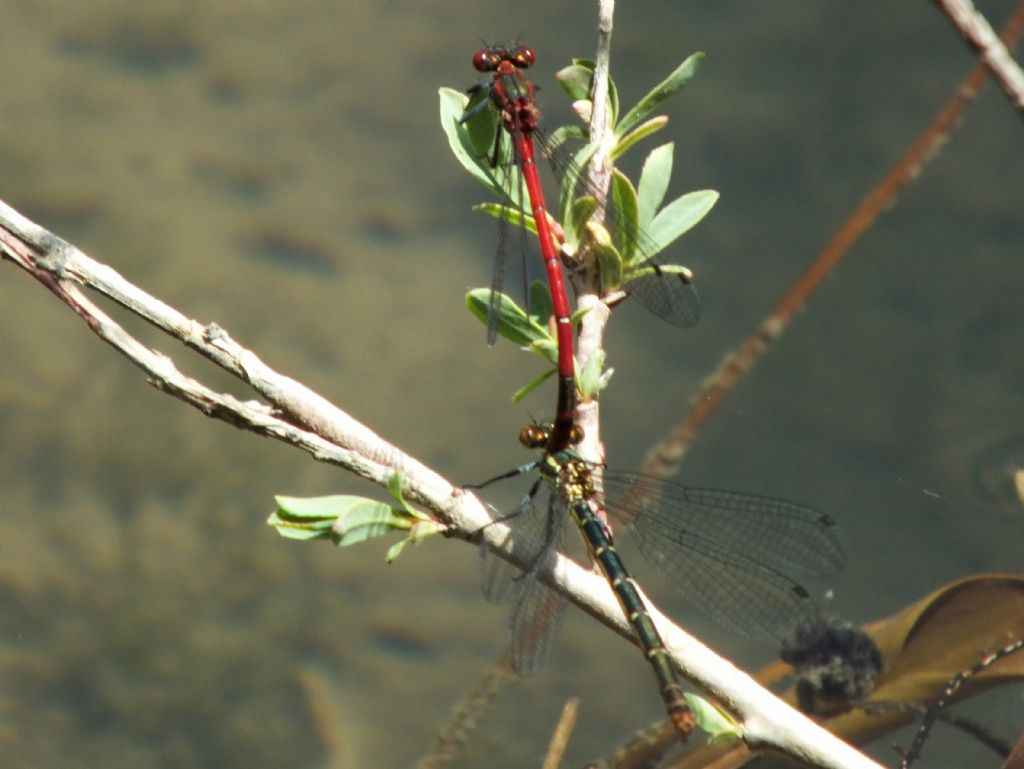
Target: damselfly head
column 535, row 436
column 522, row 56
column 488, row 59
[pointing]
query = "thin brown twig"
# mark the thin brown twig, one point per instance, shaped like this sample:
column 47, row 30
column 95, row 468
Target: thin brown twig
column 663, row 459
column 465, row 715
column 562, row 733
column 940, row 702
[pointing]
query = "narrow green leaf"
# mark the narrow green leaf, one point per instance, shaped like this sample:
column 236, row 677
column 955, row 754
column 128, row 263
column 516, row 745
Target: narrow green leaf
column 679, row 77
column 576, row 79
column 453, row 104
column 591, row 378
column 679, row 216
column 514, row 216
column 427, row 527
column 396, row 549
column 369, row 520
column 716, row 723
column 540, row 303
column 653, row 185
column 315, row 508
column 546, row 348
column 359, row 534
column 395, row 489
column 570, row 181
column 533, row 385
column 599, row 242
column 562, row 135
column 472, row 143
column 582, row 209
column 626, row 213
column 369, row 512
column 344, row 518
column 511, row 321
column 576, row 316
column 482, row 128
column 291, row 529
column 645, row 129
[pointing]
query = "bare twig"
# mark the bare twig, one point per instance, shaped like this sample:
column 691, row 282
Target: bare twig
column 663, row 459
column 562, row 733
column 466, row 713
column 940, row 702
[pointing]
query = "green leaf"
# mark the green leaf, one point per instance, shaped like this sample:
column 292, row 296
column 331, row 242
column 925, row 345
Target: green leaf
column 472, row 144
column 514, row 216
column 342, row 518
column 348, row 520
column 453, row 104
column 653, row 185
column 368, row 520
column 718, row 725
column 645, row 129
column 395, row 488
column 599, row 243
column 562, row 135
column 529, row 387
column 482, row 128
column 582, row 209
column 677, row 217
column 315, row 508
column 592, row 378
column 300, row 531
column 513, row 323
column 577, row 80
column 419, row 531
column 397, row 549
column 626, row 214
column 574, row 319
column 679, row 77
column 570, row 180
column 540, row 303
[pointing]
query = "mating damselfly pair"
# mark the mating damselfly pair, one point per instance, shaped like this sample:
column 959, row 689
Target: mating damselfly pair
column 738, row 556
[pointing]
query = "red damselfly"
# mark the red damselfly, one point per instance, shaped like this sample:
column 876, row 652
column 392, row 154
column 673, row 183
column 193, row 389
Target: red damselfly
column 513, row 97
column 665, row 290
column 734, row 555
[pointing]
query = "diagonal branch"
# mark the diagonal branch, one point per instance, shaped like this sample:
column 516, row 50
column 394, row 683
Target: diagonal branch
column 294, row 414
column 979, row 35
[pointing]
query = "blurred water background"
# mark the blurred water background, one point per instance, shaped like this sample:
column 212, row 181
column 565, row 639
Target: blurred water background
column 279, row 169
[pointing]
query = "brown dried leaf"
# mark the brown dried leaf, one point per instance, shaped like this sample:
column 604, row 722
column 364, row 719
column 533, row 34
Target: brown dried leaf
column 925, row 645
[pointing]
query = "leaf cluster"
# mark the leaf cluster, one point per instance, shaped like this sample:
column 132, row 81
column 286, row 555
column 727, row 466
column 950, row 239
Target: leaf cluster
column 640, row 225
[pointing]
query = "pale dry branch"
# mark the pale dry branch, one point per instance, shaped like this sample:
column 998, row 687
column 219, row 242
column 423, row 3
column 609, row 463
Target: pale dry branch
column 293, row 413
column 980, row 36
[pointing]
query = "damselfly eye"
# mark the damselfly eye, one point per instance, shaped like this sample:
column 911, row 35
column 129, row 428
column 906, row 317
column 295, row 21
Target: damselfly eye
column 534, row 436
column 485, row 60
column 523, row 57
